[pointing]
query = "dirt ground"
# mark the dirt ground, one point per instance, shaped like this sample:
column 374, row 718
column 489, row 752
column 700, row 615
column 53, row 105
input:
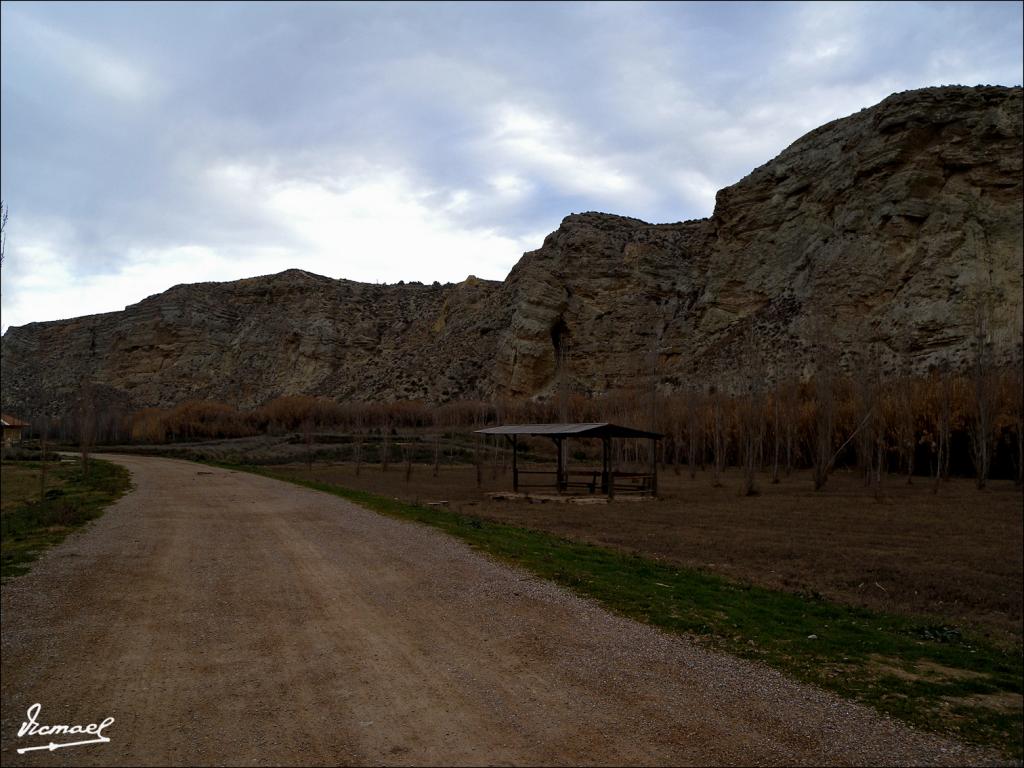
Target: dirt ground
column 957, row 556
column 223, row 618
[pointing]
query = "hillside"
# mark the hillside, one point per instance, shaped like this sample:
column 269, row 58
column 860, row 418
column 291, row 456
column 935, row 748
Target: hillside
column 887, row 228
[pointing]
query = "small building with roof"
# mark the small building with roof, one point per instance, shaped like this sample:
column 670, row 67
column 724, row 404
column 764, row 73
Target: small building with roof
column 12, row 428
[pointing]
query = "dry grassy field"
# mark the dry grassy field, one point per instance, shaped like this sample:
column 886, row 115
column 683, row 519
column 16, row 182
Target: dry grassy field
column 955, row 556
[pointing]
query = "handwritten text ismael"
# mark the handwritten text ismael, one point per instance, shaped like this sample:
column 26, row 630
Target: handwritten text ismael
column 32, row 727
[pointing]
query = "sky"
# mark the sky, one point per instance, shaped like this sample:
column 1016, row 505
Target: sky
column 143, row 145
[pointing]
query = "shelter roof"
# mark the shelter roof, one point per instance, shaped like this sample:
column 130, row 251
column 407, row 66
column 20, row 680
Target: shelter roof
column 598, row 429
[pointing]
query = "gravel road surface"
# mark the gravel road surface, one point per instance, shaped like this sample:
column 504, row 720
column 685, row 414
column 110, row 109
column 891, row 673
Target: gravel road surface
column 227, row 619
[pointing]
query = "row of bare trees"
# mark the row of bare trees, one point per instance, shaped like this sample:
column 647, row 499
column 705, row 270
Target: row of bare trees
column 880, row 424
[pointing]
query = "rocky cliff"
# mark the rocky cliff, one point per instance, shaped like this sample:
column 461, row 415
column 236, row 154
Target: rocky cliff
column 886, row 228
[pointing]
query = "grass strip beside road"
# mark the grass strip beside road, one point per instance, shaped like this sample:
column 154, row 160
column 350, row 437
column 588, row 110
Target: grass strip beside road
column 29, row 525
column 933, row 677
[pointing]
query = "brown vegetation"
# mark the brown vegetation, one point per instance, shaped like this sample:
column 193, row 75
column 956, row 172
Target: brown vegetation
column 942, row 424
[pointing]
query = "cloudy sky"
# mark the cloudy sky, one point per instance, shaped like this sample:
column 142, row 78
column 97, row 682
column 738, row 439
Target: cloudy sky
column 145, row 145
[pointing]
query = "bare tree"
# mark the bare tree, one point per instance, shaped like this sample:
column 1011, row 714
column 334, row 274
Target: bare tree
column 825, row 365
column 43, row 434
column 981, row 425
column 942, row 405
column 717, row 429
column 751, row 424
column 3, row 230
column 477, row 462
column 904, row 417
column 653, row 411
column 776, row 424
column 307, row 439
column 751, row 413
column 694, row 429
column 385, row 455
column 86, row 422
column 789, row 407
column 560, row 338
column 867, row 395
column 677, row 431
column 1015, row 399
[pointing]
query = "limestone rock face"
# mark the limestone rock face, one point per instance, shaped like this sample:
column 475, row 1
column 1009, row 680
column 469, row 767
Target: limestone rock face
column 886, row 228
column 607, row 291
column 247, row 341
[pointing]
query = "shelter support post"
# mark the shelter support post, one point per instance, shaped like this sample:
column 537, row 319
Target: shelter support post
column 654, row 467
column 611, row 471
column 560, row 470
column 515, row 466
column 605, row 458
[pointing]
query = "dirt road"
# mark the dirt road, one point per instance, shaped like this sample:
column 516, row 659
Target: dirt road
column 223, row 618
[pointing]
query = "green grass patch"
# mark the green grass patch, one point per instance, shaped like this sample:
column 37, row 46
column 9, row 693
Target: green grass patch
column 934, row 677
column 28, row 524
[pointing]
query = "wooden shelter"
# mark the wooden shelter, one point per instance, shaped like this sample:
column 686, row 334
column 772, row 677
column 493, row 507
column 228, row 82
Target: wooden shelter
column 591, row 480
column 12, row 429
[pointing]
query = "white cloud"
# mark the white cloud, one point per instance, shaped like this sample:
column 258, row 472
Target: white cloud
column 697, row 189
column 380, row 228
column 825, row 35
column 552, row 149
column 39, row 283
column 510, row 187
column 107, row 73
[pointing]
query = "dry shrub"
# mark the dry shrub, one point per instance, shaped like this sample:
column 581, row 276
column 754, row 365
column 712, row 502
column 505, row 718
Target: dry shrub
column 191, row 420
column 147, row 426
